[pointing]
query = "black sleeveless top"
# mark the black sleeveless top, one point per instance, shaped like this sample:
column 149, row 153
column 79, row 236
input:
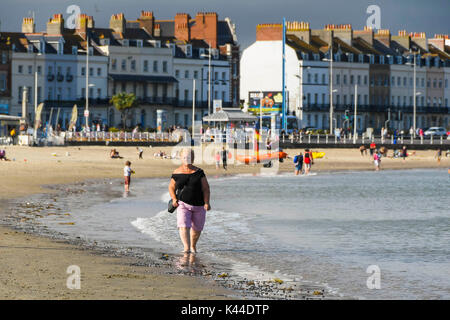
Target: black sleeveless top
column 188, row 187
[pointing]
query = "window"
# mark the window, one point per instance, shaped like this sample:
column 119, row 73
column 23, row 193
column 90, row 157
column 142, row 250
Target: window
column 345, row 79
column 338, row 79
column 434, row 83
column 155, row 66
column 365, row 80
column 393, row 81
column 323, row 78
column 216, row 75
column 177, row 73
column 2, row 81
column 83, row 92
column 165, row 66
column 20, row 69
column 113, row 64
column 133, row 65
column 83, row 71
column 68, row 70
column 99, row 72
column 223, row 95
column 316, row 78
column 99, row 93
column 69, row 93
column 145, row 65
column 124, row 64
column 352, row 79
column 224, row 76
column 186, row 95
column 323, row 98
column 186, row 74
column 74, row 50
column 30, row 70
column 309, row 78
column 196, row 74
column 91, row 71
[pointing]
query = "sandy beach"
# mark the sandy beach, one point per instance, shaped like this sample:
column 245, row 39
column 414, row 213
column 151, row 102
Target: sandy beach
column 34, row 267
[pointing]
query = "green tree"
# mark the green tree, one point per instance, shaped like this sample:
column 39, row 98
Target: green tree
column 124, row 102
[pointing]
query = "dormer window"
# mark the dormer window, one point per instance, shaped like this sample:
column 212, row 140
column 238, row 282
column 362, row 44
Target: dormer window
column 91, row 51
column 189, row 51
column 172, row 47
column 381, row 59
column 139, row 43
column 372, row 59
column 74, row 50
column 104, row 42
column 41, row 46
column 399, row 60
column 215, row 53
column 361, row 58
column 125, row 43
column 316, row 57
column 201, row 52
column 60, row 47
column 350, row 57
column 30, row 48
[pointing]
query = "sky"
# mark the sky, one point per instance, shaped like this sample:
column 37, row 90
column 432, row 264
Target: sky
column 430, row 16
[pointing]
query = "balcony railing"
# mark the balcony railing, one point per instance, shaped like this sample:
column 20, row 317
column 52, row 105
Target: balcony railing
column 376, row 108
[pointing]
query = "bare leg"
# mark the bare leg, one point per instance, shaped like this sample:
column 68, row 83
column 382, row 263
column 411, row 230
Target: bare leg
column 194, row 238
column 184, row 235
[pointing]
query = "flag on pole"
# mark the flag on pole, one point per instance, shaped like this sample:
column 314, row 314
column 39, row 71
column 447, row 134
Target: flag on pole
column 37, row 120
column 73, row 119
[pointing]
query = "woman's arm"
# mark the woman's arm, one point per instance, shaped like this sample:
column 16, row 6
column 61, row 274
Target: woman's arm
column 172, row 185
column 206, row 193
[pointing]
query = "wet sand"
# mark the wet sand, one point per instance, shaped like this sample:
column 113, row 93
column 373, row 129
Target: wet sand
column 34, row 267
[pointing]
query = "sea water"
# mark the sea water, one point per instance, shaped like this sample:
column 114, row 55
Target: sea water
column 330, row 229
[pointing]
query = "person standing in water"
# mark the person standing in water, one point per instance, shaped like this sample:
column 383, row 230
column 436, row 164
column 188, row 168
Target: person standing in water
column 307, row 160
column 127, row 175
column 298, row 161
column 190, row 193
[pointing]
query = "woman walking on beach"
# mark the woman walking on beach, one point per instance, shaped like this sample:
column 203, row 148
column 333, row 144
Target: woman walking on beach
column 189, row 190
column 376, row 160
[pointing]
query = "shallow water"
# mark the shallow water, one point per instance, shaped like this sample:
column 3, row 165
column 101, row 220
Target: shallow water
column 324, row 229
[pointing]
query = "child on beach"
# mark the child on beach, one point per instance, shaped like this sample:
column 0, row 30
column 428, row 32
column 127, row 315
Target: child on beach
column 127, row 175
column 376, row 160
column 217, row 158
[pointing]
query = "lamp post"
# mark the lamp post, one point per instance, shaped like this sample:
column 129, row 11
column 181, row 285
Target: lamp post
column 331, row 86
column 209, row 76
column 300, row 94
column 86, row 112
column 354, row 117
column 415, row 94
column 193, row 110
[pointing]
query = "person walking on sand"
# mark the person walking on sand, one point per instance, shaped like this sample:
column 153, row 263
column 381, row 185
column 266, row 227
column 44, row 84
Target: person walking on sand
column 190, row 193
column 404, row 153
column 362, row 149
column 127, row 175
column 439, row 155
column 298, row 162
column 140, row 152
column 224, row 158
column 372, row 147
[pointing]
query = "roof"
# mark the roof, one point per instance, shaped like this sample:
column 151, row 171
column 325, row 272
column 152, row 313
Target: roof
column 140, row 78
column 230, row 114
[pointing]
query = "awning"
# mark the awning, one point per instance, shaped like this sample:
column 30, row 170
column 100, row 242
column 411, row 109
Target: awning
column 5, row 119
column 230, row 115
column 140, row 78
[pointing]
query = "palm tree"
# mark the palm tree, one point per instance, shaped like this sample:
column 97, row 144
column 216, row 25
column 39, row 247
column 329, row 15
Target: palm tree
column 124, row 102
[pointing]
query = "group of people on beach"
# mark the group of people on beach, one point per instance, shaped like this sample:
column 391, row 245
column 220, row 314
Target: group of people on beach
column 307, row 159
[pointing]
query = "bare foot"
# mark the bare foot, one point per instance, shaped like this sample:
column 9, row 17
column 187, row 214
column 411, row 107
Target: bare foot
column 193, row 250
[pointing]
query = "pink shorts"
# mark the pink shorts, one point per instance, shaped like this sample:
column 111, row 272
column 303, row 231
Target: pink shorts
column 190, row 216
